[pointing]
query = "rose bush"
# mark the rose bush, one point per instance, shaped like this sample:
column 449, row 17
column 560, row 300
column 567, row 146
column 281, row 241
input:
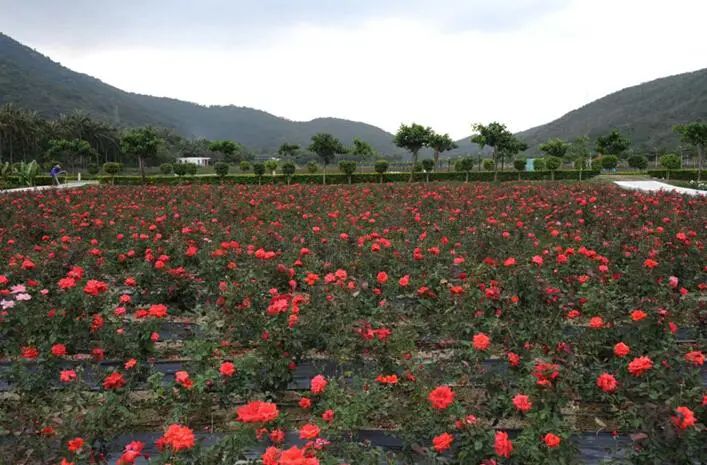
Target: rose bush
column 475, row 323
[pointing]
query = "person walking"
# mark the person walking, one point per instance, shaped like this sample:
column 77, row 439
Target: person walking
column 55, row 172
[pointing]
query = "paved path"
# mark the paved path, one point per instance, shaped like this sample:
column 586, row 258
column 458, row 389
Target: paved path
column 68, row 185
column 653, row 186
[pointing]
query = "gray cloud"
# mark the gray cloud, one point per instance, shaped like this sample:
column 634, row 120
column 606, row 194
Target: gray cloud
column 91, row 24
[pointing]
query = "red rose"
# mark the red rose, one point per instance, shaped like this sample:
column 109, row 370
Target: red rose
column 551, row 440
column 257, row 412
column 502, row 445
column 309, row 431
column 695, row 357
column 481, row 341
column 640, row 365
column 75, row 444
column 606, row 382
column 522, row 403
column 442, row 442
column 178, row 437
column 684, row 419
column 318, row 384
column 621, row 349
column 227, row 369
column 114, row 380
column 441, row 397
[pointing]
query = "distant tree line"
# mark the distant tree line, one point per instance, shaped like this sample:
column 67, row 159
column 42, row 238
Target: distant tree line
column 80, row 142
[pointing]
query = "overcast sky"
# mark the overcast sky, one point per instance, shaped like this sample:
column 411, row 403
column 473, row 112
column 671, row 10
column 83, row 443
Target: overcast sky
column 443, row 63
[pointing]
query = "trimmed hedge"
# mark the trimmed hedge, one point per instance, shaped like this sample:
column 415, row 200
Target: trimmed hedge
column 676, row 175
column 338, row 178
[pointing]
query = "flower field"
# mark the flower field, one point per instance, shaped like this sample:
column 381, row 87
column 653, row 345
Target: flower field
column 304, row 325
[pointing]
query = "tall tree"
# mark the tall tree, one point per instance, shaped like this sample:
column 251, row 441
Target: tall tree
column 412, row 138
column 362, row 149
column 142, row 143
column 73, row 152
column 225, row 147
column 440, row 143
column 288, row 150
column 614, row 143
column 326, row 147
column 695, row 134
column 555, row 148
column 500, row 139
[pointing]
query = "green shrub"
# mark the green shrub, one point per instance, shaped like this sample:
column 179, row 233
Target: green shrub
column 677, row 175
column 93, row 169
column 609, row 162
column 191, row 168
column 637, row 161
column 244, row 166
column 519, row 164
column 539, row 164
column 488, row 164
column 166, row 168
column 307, row 178
column 221, row 168
column 312, row 167
column 180, row 169
column 288, row 169
column 347, row 167
column 271, row 166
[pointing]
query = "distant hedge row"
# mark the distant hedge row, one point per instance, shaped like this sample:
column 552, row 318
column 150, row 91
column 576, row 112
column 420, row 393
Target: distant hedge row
column 338, row 178
column 677, row 175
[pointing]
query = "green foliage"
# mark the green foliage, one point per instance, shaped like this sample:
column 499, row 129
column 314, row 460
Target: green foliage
column 112, row 168
column 555, row 148
column 191, row 168
column 578, row 148
column 539, row 164
column 609, row 162
column 519, row 164
column 288, row 168
column 27, row 172
column 180, row 169
column 362, row 149
column 288, row 150
column 670, row 161
column 309, row 178
column 244, row 165
column 70, row 151
column 271, row 166
column 381, row 166
column 580, row 163
column 347, row 167
column 166, row 168
column 93, row 169
column 440, row 143
column 413, row 138
column 142, row 143
column 232, row 151
column 488, row 164
column 553, row 163
column 695, row 134
column 326, row 147
column 258, row 169
column 613, row 143
column 428, row 165
column 221, row 168
column 678, row 175
column 638, row 162
column 505, row 145
column 464, row 164
column 312, row 167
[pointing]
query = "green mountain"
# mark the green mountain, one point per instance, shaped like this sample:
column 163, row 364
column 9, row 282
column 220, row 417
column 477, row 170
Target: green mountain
column 33, row 81
column 646, row 113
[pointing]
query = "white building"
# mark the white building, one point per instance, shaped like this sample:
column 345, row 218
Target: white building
column 199, row 161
